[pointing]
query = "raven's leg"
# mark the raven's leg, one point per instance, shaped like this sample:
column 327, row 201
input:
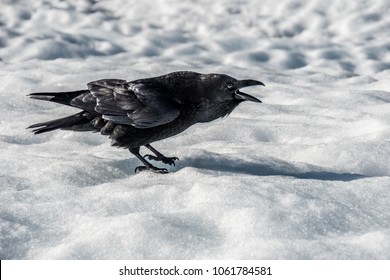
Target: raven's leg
column 159, row 156
column 147, row 165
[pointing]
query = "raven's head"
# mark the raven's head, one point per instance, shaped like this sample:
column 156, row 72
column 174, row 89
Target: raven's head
column 225, row 88
column 221, row 94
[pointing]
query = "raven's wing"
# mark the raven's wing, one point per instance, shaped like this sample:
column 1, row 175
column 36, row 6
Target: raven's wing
column 131, row 103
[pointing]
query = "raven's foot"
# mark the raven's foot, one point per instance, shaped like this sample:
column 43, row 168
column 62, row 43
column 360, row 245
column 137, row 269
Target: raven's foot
column 151, row 168
column 166, row 160
column 147, row 165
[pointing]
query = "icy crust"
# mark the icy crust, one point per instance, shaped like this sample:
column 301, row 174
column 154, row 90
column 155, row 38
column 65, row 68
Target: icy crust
column 305, row 175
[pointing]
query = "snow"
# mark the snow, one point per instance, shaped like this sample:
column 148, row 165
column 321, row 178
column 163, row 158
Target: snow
column 305, row 175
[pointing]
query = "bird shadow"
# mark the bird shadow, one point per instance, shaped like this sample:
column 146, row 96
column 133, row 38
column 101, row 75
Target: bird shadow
column 268, row 167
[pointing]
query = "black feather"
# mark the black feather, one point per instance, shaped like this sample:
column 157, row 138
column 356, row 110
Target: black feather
column 63, row 123
column 58, row 97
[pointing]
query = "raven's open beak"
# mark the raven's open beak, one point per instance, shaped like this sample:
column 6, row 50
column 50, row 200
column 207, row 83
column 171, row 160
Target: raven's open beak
column 243, row 96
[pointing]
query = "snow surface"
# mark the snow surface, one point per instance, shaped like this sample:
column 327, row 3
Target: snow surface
column 305, row 175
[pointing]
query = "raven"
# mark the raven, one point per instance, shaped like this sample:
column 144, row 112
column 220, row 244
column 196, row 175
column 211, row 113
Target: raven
column 143, row 111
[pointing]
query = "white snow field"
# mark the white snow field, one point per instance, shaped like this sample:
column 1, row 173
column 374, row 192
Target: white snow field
column 305, row 175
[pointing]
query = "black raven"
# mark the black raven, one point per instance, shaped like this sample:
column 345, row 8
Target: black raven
column 143, row 111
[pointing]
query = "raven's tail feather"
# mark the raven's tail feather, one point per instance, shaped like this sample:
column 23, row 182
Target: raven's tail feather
column 76, row 122
column 58, row 97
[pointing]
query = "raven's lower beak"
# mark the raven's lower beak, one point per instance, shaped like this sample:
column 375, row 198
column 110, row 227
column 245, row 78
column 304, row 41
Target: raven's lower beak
column 243, row 96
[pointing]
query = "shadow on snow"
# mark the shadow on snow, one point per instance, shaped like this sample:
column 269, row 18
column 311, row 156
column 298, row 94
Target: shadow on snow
column 268, row 166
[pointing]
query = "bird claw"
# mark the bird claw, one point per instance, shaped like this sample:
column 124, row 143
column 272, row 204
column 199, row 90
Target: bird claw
column 166, row 160
column 152, row 168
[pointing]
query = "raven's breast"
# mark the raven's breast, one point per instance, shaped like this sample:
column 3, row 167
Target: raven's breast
column 128, row 136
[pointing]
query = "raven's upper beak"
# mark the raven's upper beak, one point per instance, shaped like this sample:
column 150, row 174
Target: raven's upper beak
column 246, row 83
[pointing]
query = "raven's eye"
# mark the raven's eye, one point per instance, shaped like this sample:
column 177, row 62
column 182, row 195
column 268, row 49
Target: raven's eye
column 229, row 86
